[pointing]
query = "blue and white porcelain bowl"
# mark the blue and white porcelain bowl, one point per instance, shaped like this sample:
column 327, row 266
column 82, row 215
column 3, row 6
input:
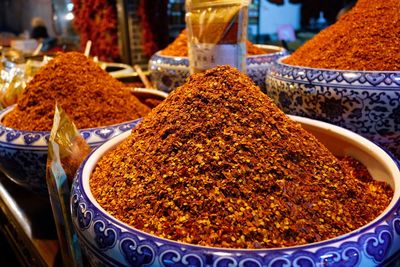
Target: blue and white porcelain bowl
column 366, row 102
column 168, row 72
column 110, row 242
column 23, row 154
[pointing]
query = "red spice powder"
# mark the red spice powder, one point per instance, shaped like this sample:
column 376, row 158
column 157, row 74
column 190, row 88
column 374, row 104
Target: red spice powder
column 88, row 94
column 179, row 47
column 218, row 164
column 366, row 38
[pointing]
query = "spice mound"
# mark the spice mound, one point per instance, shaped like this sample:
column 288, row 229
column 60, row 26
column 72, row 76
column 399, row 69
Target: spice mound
column 179, row 47
column 88, row 94
column 366, row 38
column 218, row 164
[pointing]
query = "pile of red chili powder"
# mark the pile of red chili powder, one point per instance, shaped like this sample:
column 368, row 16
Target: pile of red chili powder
column 179, row 47
column 366, row 38
column 88, row 94
column 218, row 164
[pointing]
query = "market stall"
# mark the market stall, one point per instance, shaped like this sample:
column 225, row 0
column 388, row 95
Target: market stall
column 211, row 145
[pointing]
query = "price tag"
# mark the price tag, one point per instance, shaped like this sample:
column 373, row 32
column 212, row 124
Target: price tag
column 207, row 56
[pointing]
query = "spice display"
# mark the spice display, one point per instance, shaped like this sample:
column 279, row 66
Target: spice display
column 253, row 50
column 218, row 164
column 90, row 96
column 179, row 47
column 366, row 38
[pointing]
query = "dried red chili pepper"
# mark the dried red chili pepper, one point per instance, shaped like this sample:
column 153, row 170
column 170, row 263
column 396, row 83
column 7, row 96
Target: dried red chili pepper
column 96, row 20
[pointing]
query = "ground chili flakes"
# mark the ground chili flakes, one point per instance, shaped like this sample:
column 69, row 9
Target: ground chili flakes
column 179, row 47
column 218, row 164
column 366, row 38
column 88, row 94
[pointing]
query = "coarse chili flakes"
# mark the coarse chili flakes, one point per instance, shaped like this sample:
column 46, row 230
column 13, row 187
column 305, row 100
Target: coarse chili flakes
column 366, row 38
column 88, row 94
column 218, row 164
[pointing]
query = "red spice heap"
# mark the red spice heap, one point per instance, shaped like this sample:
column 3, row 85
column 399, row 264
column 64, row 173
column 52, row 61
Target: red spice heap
column 88, row 94
column 366, row 38
column 179, row 47
column 218, row 164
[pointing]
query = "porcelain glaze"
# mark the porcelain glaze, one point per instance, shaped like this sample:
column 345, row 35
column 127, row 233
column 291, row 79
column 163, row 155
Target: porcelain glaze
column 23, row 154
column 169, row 72
column 109, row 242
column 366, row 102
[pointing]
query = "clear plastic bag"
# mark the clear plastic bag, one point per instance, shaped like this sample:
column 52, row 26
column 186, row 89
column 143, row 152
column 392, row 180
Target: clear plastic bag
column 217, row 32
column 14, row 78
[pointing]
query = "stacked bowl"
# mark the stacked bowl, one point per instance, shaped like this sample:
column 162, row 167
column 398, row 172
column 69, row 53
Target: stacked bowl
column 23, row 154
column 169, row 72
column 366, row 102
column 348, row 74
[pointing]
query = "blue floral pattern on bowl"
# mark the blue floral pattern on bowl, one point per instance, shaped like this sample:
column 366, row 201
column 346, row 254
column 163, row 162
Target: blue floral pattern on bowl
column 23, row 154
column 169, row 72
column 109, row 242
column 366, row 102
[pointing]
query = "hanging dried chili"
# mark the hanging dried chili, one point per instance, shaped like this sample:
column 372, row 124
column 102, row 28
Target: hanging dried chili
column 366, row 38
column 88, row 94
column 218, row 164
column 97, row 20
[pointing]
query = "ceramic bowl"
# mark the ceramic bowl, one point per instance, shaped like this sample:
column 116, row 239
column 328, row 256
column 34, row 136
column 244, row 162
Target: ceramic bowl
column 116, row 69
column 168, row 72
column 108, row 241
column 366, row 102
column 113, row 68
column 23, row 154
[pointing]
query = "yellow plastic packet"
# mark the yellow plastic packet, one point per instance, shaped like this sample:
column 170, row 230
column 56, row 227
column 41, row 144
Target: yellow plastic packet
column 67, row 149
column 217, row 33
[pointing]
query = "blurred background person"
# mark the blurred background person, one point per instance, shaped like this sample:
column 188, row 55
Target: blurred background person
column 39, row 30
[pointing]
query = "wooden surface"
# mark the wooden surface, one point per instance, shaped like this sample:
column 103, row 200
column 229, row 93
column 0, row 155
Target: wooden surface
column 27, row 222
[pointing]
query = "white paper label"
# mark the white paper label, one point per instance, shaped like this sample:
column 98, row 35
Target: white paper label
column 207, row 56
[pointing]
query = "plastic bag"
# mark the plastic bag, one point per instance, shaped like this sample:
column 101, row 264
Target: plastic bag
column 67, row 150
column 14, row 78
column 217, row 32
column 12, row 85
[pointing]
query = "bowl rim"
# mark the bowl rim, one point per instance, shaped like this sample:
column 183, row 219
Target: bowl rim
column 88, row 165
column 279, row 50
column 152, row 91
column 8, row 109
column 280, row 63
column 41, row 142
column 44, row 134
